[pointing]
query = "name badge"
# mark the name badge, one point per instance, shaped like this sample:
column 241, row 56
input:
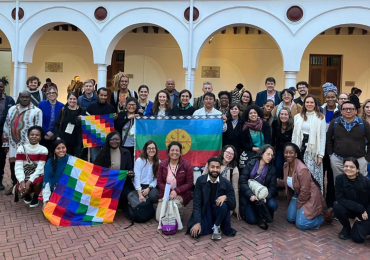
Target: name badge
column 69, row 128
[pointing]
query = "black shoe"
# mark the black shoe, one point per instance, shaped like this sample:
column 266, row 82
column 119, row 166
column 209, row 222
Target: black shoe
column 2, row 186
column 344, row 234
column 34, row 202
column 27, row 199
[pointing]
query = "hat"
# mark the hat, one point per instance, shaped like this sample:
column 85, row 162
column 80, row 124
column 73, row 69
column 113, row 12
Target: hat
column 327, row 87
column 293, row 89
column 48, row 80
column 239, row 86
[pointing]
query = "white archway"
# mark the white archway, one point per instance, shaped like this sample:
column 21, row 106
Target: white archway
column 33, row 28
column 7, row 27
column 118, row 26
column 242, row 16
column 346, row 16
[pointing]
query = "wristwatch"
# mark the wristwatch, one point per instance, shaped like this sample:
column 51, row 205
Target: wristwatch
column 150, row 187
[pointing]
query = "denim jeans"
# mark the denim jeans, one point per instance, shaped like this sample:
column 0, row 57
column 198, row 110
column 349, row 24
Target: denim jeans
column 250, row 211
column 298, row 217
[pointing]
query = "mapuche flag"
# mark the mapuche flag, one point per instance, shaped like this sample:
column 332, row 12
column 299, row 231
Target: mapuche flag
column 86, row 194
column 200, row 136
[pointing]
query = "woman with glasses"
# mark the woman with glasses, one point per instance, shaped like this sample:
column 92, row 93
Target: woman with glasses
column 309, row 135
column 352, row 191
column 225, row 99
column 184, row 108
column 146, row 170
column 115, row 157
column 287, row 97
column 230, row 171
column 261, row 169
column 50, row 110
column 306, row 204
column 245, row 101
column 125, row 124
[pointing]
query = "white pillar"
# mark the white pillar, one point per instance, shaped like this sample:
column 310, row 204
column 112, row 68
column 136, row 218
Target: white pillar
column 102, row 75
column 189, row 82
column 290, row 78
column 22, row 79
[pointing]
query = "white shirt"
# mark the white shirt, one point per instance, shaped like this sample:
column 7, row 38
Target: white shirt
column 289, row 182
column 216, row 181
column 144, row 174
column 202, row 112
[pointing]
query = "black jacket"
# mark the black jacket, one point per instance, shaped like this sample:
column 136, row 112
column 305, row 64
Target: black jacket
column 232, row 136
column 9, row 102
column 279, row 139
column 176, row 111
column 353, row 195
column 201, row 197
column 121, row 121
column 100, row 109
column 246, row 193
column 247, row 144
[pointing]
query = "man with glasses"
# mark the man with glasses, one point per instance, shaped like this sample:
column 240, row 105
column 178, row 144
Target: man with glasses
column 207, row 88
column 348, row 136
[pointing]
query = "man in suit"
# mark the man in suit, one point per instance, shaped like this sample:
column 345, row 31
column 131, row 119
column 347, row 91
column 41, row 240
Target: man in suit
column 269, row 93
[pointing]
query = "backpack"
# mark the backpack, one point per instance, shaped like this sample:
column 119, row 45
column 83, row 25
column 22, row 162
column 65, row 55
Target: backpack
column 137, row 211
column 361, row 124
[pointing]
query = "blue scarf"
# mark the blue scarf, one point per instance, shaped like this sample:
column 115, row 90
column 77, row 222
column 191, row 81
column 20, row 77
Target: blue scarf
column 263, row 174
column 51, row 177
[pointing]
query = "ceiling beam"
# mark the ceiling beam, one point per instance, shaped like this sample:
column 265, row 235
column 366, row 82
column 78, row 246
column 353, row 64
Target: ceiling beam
column 223, row 31
column 145, row 29
column 337, row 30
column 74, row 28
column 235, row 30
column 155, row 29
column 364, row 32
column 134, row 30
column 246, row 30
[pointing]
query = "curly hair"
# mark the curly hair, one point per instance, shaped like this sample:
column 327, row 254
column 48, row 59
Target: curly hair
column 4, row 80
column 117, row 79
column 234, row 162
column 32, row 78
column 52, row 156
column 104, row 159
column 144, row 155
column 245, row 116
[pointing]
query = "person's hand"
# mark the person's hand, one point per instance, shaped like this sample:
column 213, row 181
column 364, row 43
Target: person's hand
column 319, row 161
column 133, row 116
column 224, row 118
column 173, row 195
column 357, row 219
column 79, row 118
column 264, row 200
column 130, row 174
column 22, row 186
column 365, row 216
column 115, row 116
column 255, row 149
column 47, row 137
column 195, row 231
column 142, row 198
column 220, row 200
column 58, row 138
column 50, row 134
column 6, row 149
column 28, row 185
column 238, row 215
column 141, row 111
column 145, row 192
column 253, row 198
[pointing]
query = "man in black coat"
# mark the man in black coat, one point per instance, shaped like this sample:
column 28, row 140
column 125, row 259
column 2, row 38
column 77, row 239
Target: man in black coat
column 214, row 198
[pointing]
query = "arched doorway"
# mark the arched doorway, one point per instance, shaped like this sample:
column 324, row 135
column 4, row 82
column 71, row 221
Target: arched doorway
column 6, row 65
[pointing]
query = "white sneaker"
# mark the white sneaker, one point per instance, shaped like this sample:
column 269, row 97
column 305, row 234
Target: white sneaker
column 216, row 233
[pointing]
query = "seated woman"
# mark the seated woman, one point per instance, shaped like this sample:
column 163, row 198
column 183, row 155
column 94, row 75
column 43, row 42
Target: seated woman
column 352, row 191
column 306, row 202
column 29, row 166
column 54, row 168
column 115, row 157
column 179, row 173
column 261, row 169
column 229, row 170
column 146, row 169
column 183, row 108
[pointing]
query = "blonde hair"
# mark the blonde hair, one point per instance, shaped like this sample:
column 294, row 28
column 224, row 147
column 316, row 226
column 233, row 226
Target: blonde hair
column 117, row 78
column 363, row 108
column 89, row 81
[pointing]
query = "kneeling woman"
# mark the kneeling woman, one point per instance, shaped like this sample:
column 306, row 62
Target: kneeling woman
column 29, row 166
column 261, row 169
column 306, row 202
column 54, row 168
column 179, row 173
column 352, row 191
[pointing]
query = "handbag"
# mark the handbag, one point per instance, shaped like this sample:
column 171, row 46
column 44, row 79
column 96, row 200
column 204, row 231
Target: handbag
column 258, row 189
column 263, row 214
column 29, row 166
column 170, row 222
column 138, row 211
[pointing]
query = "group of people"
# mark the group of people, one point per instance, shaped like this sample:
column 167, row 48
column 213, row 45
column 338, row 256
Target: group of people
column 276, row 141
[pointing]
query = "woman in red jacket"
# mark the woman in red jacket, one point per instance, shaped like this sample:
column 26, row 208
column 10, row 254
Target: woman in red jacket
column 179, row 173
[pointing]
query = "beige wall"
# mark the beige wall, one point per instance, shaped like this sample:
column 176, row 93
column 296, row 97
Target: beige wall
column 152, row 58
column 6, row 65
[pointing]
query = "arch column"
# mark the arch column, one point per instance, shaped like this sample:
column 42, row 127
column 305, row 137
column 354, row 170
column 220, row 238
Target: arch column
column 102, row 75
column 189, row 81
column 22, row 79
column 290, row 78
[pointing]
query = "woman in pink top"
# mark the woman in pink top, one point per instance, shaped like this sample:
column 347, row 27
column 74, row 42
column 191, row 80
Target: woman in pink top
column 179, row 173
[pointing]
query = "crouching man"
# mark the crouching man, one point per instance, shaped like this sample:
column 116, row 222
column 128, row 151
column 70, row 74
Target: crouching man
column 214, row 199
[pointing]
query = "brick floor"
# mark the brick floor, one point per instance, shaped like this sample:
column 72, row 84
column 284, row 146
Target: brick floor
column 26, row 234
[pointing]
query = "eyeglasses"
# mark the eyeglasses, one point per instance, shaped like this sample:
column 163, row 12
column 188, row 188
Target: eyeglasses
column 287, row 95
column 348, row 109
column 51, row 93
column 349, row 167
column 229, row 153
column 224, row 98
column 114, row 140
column 151, row 148
column 131, row 105
column 302, row 88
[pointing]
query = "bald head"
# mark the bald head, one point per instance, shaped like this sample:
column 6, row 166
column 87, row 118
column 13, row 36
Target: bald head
column 170, row 85
column 24, row 98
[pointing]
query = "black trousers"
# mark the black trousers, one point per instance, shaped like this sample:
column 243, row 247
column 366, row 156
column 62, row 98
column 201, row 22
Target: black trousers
column 2, row 162
column 12, row 173
column 330, row 190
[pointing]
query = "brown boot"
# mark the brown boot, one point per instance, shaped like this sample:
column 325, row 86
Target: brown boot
column 9, row 192
column 329, row 215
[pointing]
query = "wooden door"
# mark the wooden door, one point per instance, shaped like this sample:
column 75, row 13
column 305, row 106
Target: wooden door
column 117, row 65
column 324, row 68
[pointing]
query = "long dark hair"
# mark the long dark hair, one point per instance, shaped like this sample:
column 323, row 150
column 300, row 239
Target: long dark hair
column 156, row 101
column 53, row 157
column 300, row 157
column 144, row 155
column 262, row 150
column 354, row 160
column 250, row 98
column 234, row 161
column 231, row 106
column 290, row 120
column 104, row 159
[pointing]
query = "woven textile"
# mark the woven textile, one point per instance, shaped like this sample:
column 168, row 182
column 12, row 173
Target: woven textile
column 96, row 128
column 85, row 195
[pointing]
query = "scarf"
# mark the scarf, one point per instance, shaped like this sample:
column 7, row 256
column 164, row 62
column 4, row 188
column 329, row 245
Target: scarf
column 52, row 177
column 224, row 172
column 313, row 145
column 261, row 177
column 183, row 108
column 256, row 126
column 34, row 91
column 280, row 106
